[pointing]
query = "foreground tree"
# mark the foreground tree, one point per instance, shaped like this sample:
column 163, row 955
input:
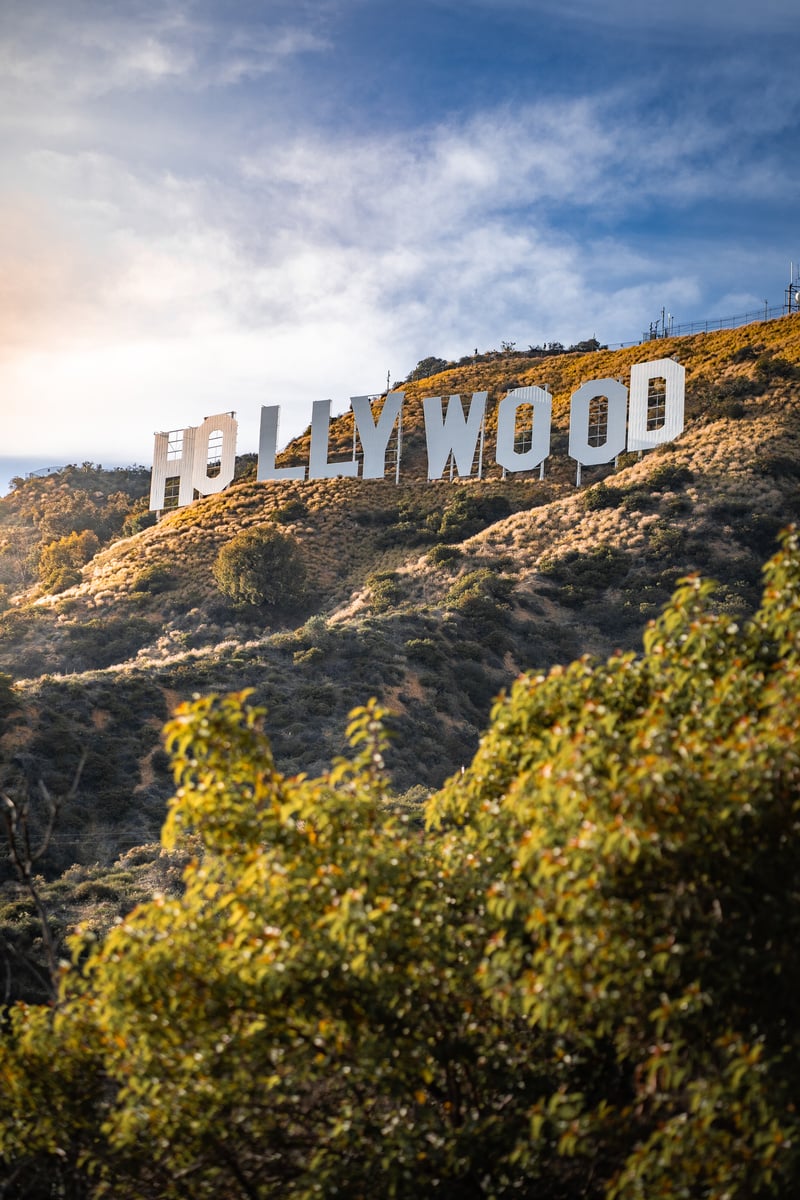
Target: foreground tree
column 581, row 982
column 642, row 816
column 305, row 1020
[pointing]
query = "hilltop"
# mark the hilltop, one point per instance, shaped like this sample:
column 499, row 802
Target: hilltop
column 430, row 596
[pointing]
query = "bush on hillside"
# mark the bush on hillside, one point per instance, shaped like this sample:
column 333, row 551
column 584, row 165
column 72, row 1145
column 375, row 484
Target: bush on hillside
column 262, row 568
column 385, row 591
column 444, row 555
column 9, row 701
column 601, row 495
column 97, row 642
column 583, row 575
column 60, row 561
column 469, row 512
column 770, row 367
column 141, row 517
column 155, row 579
column 427, row 367
column 293, row 510
column 480, row 594
column 669, row 476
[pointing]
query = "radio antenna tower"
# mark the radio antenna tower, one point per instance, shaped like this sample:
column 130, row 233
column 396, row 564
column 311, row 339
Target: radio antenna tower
column 793, row 289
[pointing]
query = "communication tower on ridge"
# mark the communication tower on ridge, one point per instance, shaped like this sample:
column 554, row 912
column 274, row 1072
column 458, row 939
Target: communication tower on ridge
column 662, row 327
column 793, row 289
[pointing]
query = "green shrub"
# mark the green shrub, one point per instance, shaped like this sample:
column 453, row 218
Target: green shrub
column 469, row 650
column 585, row 575
column 425, row 651
column 601, row 496
column 292, row 510
column 154, row 579
column 777, row 466
column 96, row 890
column 312, row 654
column 101, row 642
column 480, row 594
column 669, row 477
column 640, row 497
column 384, row 590
column 138, row 520
column 666, row 539
column 469, row 512
column 740, row 387
column 744, row 354
column 246, row 466
column 262, row 568
column 770, row 366
column 413, row 523
column 427, row 367
column 9, row 700
column 60, row 561
column 443, row 555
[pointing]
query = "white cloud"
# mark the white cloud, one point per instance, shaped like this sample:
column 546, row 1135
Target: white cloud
column 247, row 56
column 147, row 288
column 103, row 49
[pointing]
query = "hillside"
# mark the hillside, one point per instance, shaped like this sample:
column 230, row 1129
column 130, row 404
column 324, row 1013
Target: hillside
column 430, row 596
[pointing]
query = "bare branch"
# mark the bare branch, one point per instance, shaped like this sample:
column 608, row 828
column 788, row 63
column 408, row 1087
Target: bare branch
column 24, row 857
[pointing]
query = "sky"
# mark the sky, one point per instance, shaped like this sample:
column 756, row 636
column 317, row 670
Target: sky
column 209, row 206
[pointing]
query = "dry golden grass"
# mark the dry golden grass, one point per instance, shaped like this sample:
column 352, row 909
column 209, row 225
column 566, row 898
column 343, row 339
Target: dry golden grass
column 341, row 541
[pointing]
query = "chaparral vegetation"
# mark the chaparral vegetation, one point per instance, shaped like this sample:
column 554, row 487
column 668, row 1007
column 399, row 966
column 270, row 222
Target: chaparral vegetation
column 579, row 980
column 554, row 959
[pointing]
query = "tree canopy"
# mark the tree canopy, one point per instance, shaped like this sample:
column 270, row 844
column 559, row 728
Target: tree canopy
column 427, row 367
column 60, row 561
column 580, row 981
column 262, row 567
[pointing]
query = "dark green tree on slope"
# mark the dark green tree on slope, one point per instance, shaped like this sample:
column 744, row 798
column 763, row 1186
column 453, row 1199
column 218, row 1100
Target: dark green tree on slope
column 262, row 567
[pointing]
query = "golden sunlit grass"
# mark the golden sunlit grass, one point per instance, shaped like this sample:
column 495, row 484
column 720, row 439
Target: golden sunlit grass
column 433, row 624
column 734, row 431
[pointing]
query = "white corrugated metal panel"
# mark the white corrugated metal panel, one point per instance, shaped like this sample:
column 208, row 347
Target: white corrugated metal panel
column 674, row 375
column 579, row 446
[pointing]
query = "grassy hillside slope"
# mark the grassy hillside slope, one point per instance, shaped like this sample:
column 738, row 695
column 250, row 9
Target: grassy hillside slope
column 431, row 596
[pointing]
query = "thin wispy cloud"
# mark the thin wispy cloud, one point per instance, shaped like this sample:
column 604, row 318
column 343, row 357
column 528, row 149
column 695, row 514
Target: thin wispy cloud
column 102, row 49
column 192, row 214
column 688, row 19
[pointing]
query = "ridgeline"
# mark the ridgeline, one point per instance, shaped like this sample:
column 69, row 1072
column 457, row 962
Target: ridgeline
column 431, row 597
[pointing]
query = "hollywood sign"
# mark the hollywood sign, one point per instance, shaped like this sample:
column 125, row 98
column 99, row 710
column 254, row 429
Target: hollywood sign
column 604, row 421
